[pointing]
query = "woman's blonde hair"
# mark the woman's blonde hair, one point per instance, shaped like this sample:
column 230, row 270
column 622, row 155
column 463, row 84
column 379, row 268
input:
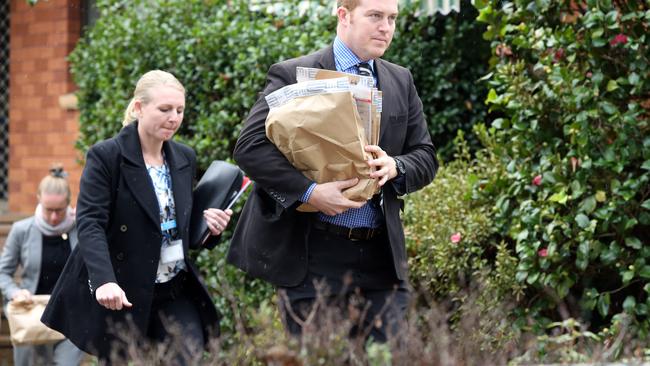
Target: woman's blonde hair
column 55, row 182
column 147, row 82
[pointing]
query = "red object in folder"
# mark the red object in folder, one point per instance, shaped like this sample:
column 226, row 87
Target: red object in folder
column 244, row 184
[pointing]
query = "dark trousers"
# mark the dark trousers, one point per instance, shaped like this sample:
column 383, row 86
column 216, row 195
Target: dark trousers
column 356, row 279
column 174, row 323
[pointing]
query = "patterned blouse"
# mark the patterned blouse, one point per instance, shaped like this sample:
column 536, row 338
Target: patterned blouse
column 162, row 183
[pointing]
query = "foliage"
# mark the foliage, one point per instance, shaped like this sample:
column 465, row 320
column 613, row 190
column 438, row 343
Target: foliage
column 447, row 56
column 452, row 248
column 426, row 338
column 446, row 229
column 571, row 80
column 237, row 296
column 220, row 50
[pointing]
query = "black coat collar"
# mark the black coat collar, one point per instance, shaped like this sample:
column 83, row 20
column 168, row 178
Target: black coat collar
column 137, row 178
column 129, row 142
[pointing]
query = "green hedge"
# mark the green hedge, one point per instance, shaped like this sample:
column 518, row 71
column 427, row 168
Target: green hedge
column 573, row 201
column 450, row 234
column 221, row 50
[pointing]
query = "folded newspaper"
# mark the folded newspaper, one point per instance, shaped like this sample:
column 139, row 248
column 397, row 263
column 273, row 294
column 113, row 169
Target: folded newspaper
column 321, row 125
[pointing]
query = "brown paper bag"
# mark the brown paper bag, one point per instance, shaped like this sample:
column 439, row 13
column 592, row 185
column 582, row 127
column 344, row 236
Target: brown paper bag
column 322, row 137
column 25, row 324
column 370, row 121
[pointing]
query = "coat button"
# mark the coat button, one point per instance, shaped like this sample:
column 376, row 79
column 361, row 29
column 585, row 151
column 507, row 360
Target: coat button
column 123, row 228
column 120, row 256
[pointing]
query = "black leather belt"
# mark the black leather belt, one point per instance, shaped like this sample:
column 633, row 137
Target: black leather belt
column 357, row 233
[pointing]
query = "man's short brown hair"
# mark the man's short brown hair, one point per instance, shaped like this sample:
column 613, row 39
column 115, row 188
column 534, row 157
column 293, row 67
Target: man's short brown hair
column 348, row 4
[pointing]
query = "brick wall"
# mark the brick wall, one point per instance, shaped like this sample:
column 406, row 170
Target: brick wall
column 41, row 132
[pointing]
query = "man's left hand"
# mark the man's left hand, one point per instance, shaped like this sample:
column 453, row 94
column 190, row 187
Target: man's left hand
column 383, row 166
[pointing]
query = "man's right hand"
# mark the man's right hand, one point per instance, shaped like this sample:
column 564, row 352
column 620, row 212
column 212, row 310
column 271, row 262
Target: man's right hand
column 328, row 198
column 111, row 296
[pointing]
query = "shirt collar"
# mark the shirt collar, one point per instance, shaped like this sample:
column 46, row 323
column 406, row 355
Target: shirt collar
column 345, row 59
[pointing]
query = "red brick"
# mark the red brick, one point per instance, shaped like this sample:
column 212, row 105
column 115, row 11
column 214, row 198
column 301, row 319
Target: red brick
column 40, row 131
column 43, row 125
column 54, row 89
column 37, row 53
column 73, row 125
column 31, row 150
column 27, row 66
column 29, row 103
column 66, row 150
column 42, row 26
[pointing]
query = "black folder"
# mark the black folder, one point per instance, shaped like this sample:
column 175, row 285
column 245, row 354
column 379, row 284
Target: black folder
column 219, row 186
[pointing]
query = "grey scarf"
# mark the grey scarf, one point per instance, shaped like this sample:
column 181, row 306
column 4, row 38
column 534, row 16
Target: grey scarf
column 48, row 230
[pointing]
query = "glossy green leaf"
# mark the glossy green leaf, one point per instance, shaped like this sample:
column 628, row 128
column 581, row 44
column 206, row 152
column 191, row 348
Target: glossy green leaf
column 644, row 272
column 633, row 242
column 582, row 220
column 603, row 304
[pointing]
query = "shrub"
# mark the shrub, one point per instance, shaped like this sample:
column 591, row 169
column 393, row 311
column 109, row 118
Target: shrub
column 427, row 338
column 448, row 232
column 453, row 252
column 571, row 79
column 447, row 56
column 220, row 50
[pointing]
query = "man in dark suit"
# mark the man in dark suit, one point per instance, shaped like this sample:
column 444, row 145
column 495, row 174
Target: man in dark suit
column 355, row 247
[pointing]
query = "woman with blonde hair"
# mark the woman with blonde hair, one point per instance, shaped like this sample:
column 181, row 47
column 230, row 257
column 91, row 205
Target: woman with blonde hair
column 132, row 270
column 41, row 244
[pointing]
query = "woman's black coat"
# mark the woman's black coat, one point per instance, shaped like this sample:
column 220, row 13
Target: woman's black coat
column 119, row 241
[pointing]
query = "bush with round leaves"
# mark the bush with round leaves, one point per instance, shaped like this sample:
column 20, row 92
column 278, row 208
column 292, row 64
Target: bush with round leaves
column 571, row 79
column 220, row 50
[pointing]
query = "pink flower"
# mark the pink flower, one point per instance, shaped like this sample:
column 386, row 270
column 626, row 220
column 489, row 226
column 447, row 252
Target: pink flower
column 618, row 39
column 589, row 74
column 455, row 238
column 558, row 55
column 542, row 252
column 537, row 181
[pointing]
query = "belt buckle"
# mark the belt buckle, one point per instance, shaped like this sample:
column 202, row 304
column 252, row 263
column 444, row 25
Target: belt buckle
column 370, row 233
column 350, row 234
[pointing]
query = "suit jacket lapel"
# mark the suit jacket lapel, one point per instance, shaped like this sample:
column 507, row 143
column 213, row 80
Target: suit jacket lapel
column 326, row 59
column 135, row 173
column 181, row 172
column 387, row 84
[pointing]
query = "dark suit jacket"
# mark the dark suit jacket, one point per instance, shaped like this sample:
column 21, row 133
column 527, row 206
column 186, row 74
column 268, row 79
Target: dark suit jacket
column 270, row 241
column 119, row 241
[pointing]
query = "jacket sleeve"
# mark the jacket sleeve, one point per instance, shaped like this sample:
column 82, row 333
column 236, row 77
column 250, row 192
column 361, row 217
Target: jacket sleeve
column 9, row 261
column 418, row 153
column 212, row 240
column 93, row 213
column 259, row 157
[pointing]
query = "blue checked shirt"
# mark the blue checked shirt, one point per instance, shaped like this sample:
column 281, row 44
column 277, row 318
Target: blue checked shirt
column 370, row 214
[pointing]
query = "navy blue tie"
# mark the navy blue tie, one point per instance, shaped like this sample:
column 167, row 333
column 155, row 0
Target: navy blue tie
column 364, row 69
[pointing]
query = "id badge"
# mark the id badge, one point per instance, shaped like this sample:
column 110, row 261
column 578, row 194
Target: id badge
column 173, row 252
